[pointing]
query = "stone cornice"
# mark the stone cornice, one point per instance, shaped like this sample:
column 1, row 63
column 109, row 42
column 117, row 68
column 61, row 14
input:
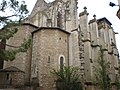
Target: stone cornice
column 51, row 29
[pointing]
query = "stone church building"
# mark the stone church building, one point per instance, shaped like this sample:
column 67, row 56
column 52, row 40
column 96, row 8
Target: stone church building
column 59, row 37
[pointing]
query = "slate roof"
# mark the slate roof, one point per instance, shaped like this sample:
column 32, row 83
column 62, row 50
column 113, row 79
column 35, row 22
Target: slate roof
column 104, row 19
column 11, row 69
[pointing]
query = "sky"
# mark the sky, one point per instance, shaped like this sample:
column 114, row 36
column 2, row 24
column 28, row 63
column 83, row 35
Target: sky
column 100, row 8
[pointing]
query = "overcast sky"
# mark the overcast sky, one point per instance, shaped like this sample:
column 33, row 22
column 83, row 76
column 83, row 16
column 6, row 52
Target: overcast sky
column 100, row 8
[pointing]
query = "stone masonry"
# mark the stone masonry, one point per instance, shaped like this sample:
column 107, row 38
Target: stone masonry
column 58, row 34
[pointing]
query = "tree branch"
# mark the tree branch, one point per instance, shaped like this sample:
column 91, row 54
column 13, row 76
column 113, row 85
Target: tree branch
column 9, row 45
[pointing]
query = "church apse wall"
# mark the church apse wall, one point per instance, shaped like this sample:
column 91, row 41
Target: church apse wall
column 49, row 46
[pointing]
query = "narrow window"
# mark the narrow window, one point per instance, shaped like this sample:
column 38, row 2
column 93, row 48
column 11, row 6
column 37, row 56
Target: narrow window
column 59, row 38
column 48, row 59
column 49, row 23
column 59, row 20
column 61, row 63
column 91, row 61
column 8, row 76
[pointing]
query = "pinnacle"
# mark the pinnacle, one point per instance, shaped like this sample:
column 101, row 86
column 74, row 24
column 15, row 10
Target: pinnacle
column 85, row 9
column 94, row 16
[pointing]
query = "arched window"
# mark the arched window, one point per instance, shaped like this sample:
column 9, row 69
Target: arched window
column 59, row 20
column 61, row 63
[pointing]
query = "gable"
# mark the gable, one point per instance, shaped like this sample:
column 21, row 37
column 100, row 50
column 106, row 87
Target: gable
column 39, row 6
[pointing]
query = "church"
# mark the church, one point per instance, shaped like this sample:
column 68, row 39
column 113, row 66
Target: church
column 59, row 37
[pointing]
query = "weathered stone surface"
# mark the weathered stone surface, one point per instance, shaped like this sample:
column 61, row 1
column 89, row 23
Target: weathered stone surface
column 62, row 34
column 23, row 60
column 53, row 44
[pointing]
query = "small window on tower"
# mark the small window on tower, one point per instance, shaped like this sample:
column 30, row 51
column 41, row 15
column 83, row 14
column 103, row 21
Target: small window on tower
column 59, row 38
column 48, row 59
column 91, row 61
column 61, row 63
column 8, row 76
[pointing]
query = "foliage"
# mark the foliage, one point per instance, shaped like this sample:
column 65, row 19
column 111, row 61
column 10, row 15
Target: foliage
column 68, row 78
column 101, row 72
column 12, row 13
column 10, row 54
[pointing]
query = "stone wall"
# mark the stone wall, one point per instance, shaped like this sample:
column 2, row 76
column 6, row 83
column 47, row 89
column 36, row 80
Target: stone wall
column 49, row 44
column 22, row 60
column 11, row 79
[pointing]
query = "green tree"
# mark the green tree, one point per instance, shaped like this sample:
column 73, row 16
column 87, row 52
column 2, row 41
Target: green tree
column 101, row 72
column 68, row 78
column 12, row 13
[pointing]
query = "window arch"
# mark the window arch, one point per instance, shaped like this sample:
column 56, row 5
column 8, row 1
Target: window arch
column 61, row 61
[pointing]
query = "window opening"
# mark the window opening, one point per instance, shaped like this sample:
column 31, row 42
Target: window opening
column 8, row 76
column 61, row 63
column 59, row 20
column 48, row 59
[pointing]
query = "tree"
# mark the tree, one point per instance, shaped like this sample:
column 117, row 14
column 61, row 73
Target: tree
column 101, row 72
column 68, row 78
column 12, row 13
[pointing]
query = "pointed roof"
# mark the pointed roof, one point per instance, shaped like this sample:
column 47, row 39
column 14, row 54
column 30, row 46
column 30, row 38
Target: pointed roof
column 11, row 69
column 105, row 20
column 39, row 6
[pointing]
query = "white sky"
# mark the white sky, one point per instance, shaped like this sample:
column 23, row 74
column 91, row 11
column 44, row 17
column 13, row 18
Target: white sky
column 100, row 8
